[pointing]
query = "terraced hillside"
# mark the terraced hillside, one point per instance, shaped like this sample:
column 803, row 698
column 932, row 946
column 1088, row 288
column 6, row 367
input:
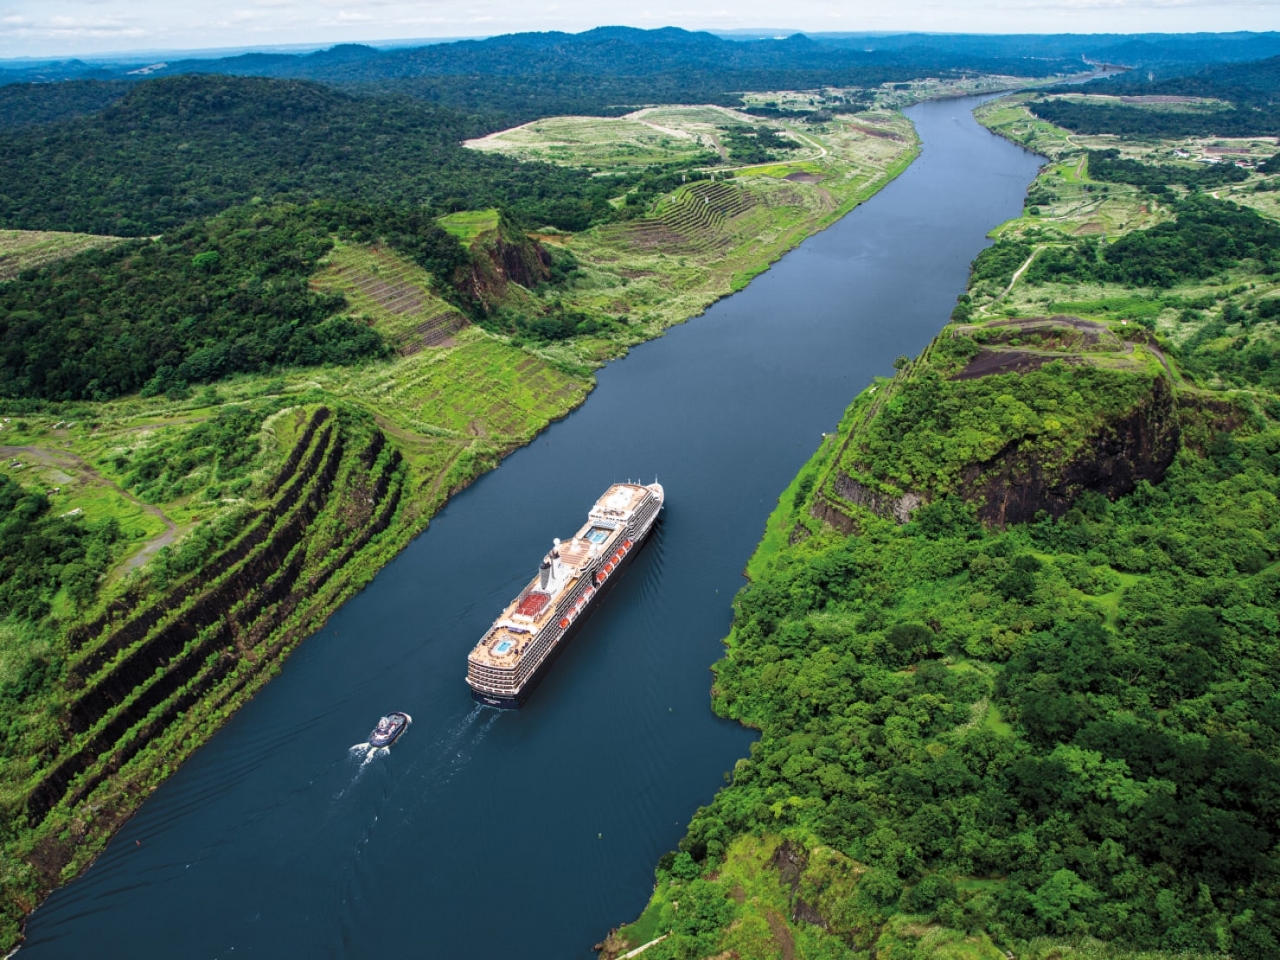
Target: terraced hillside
column 696, row 217
column 349, row 465
column 708, row 238
column 29, row 249
column 392, row 293
column 146, row 678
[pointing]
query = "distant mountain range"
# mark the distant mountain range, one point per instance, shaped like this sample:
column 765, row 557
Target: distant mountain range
column 521, row 76
column 610, row 70
column 618, row 51
column 608, row 51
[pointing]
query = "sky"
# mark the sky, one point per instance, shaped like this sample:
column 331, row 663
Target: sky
column 56, row 28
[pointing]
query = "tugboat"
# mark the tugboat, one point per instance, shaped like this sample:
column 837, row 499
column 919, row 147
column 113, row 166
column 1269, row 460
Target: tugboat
column 389, row 729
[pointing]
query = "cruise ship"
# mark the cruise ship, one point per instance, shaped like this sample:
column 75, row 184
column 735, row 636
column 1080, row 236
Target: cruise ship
column 516, row 651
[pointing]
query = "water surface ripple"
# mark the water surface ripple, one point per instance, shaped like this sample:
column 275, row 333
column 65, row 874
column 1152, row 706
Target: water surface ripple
column 487, row 835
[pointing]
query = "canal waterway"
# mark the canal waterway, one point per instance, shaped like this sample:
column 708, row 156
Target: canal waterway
column 486, row 834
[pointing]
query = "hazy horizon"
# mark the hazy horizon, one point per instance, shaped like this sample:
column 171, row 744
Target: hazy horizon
column 78, row 28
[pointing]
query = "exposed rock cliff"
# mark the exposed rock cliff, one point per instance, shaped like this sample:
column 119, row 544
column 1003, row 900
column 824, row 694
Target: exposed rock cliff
column 1013, row 487
column 1017, row 483
column 500, row 258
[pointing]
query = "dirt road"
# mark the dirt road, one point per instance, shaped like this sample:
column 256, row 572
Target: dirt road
column 73, row 466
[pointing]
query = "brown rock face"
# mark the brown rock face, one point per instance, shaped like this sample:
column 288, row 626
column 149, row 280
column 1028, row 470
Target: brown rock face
column 1012, row 487
column 501, row 258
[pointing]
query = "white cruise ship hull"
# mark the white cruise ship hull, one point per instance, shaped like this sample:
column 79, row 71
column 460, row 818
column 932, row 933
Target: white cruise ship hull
column 540, row 641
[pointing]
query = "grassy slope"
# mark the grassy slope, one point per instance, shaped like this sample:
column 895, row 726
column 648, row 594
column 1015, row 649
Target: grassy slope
column 674, row 262
column 748, row 902
column 29, row 249
column 390, row 292
column 447, row 413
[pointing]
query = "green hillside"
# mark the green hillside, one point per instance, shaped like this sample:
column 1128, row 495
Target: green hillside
column 1010, row 637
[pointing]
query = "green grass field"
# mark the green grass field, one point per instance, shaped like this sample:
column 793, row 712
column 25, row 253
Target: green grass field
column 466, row 225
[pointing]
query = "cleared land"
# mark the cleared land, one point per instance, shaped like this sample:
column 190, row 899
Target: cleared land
column 606, row 143
column 708, row 238
column 28, row 249
column 888, row 96
column 467, row 225
column 392, row 293
column 1083, row 207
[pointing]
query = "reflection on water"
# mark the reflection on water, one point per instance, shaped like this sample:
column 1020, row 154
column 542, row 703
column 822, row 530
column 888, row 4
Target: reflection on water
column 486, row 834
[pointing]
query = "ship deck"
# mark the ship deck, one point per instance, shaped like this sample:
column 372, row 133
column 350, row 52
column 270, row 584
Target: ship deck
column 503, row 644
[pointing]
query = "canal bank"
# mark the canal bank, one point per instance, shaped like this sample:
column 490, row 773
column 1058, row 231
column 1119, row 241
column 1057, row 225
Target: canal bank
column 527, row 834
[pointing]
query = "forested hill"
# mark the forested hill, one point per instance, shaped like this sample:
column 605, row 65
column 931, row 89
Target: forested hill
column 611, row 69
column 180, row 148
column 608, row 70
column 25, row 104
column 1250, row 89
column 625, row 51
column 1256, row 83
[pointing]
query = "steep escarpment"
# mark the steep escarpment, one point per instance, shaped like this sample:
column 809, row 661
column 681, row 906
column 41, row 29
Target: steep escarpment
column 146, row 680
column 1017, row 485
column 502, row 257
column 1087, row 416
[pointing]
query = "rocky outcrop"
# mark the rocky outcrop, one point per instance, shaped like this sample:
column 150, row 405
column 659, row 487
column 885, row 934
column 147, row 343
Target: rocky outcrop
column 1017, row 484
column 503, row 257
column 859, row 494
column 1014, row 486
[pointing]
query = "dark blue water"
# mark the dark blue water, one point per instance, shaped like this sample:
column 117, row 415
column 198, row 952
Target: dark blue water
column 498, row 835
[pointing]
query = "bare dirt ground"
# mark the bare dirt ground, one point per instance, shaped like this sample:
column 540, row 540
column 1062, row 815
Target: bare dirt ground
column 991, row 362
column 804, row 177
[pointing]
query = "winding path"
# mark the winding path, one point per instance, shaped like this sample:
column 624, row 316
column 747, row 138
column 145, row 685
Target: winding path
column 69, row 462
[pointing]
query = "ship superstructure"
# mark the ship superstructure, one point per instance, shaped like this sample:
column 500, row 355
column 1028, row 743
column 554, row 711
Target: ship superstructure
column 509, row 660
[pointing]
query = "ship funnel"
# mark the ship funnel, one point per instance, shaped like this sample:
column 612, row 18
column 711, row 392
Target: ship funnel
column 544, row 572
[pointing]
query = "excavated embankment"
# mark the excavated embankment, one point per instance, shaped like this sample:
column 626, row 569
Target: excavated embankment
column 1013, row 486
column 148, row 667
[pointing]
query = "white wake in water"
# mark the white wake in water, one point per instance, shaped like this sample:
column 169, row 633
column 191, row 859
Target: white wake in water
column 365, row 754
column 455, row 747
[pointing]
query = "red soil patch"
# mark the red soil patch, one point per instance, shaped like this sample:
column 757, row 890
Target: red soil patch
column 804, row 177
column 989, row 363
column 874, row 132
